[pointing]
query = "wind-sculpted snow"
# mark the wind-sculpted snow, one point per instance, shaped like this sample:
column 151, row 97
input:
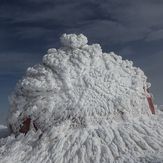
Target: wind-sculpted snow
column 85, row 106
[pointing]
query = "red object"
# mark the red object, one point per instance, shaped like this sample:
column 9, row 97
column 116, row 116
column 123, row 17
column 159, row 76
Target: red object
column 151, row 105
column 26, row 125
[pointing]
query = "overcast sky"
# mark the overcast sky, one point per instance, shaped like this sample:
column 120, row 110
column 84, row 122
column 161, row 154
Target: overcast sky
column 133, row 29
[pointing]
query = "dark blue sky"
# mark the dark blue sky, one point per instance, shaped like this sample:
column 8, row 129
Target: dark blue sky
column 133, row 29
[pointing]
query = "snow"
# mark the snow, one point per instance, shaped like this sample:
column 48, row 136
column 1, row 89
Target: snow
column 73, row 41
column 88, row 106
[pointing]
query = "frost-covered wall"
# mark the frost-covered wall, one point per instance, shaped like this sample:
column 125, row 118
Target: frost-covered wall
column 79, row 81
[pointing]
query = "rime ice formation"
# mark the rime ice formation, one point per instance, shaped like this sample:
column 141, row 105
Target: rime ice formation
column 82, row 106
column 73, row 41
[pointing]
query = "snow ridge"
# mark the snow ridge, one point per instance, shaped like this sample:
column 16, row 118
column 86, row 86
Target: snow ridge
column 88, row 107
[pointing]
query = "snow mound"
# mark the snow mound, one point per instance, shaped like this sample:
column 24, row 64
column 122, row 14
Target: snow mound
column 73, row 41
column 82, row 105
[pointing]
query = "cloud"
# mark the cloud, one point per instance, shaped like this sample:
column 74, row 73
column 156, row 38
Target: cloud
column 33, row 32
column 155, row 35
column 11, row 63
column 110, row 32
column 121, row 21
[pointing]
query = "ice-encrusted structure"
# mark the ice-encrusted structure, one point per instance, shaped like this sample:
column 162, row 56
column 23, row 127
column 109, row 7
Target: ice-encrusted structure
column 85, row 106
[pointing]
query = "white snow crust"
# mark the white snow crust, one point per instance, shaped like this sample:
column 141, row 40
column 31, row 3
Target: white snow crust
column 89, row 107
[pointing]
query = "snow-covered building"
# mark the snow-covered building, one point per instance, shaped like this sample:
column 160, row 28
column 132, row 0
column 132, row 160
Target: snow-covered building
column 81, row 105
